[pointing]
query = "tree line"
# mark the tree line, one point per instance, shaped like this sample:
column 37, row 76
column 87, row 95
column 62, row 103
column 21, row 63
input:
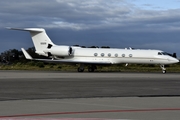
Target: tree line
column 14, row 55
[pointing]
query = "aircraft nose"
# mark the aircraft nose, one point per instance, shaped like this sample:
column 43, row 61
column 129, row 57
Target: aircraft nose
column 173, row 60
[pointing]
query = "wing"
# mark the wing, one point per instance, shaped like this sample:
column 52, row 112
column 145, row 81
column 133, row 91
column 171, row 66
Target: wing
column 64, row 60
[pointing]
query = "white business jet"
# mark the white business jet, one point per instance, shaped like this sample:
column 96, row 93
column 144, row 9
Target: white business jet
column 93, row 56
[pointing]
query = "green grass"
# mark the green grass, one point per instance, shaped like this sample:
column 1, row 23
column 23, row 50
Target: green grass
column 34, row 65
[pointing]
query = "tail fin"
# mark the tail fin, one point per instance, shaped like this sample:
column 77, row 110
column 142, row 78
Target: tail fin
column 40, row 39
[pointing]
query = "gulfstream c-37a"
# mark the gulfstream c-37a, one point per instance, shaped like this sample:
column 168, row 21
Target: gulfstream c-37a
column 93, row 56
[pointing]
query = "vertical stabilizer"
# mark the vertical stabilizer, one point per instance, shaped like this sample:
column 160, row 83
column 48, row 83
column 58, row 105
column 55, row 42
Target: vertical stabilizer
column 40, row 39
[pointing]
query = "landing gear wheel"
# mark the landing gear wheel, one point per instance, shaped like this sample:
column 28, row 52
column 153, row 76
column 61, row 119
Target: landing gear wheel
column 80, row 69
column 90, row 69
column 164, row 71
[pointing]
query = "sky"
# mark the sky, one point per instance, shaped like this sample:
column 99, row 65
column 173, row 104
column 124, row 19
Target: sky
column 141, row 24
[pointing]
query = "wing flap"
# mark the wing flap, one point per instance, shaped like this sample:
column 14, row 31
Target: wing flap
column 73, row 61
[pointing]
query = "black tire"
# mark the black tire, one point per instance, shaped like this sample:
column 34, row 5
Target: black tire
column 90, row 69
column 164, row 71
column 80, row 69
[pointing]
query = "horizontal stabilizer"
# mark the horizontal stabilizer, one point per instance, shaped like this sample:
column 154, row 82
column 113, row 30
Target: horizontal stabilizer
column 26, row 54
column 27, row 29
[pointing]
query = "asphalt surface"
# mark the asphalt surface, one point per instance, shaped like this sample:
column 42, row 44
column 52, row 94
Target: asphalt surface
column 121, row 108
column 55, row 85
column 71, row 96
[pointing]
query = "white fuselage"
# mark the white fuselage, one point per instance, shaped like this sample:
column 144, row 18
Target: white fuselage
column 117, row 56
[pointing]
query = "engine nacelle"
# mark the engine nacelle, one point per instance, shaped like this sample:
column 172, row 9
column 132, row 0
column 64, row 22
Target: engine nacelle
column 59, row 51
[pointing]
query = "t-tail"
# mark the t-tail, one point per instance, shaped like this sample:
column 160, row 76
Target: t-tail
column 40, row 39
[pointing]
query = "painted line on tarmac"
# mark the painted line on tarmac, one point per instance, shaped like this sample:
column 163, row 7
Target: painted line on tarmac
column 62, row 119
column 95, row 111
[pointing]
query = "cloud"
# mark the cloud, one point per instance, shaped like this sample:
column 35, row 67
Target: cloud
column 102, row 14
column 82, row 15
column 112, row 22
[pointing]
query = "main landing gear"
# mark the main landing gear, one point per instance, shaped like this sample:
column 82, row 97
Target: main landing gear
column 91, row 68
column 81, row 68
column 163, row 69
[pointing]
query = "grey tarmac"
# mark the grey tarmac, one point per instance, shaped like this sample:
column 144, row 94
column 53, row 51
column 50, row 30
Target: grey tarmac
column 107, row 95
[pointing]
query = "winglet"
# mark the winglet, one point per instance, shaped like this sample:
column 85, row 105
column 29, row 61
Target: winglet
column 26, row 54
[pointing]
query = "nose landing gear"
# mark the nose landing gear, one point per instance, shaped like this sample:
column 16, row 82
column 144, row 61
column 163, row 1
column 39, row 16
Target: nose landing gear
column 163, row 69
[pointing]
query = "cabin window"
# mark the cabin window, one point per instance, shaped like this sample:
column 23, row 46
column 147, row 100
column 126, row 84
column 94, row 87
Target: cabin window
column 95, row 54
column 123, row 55
column 102, row 54
column 109, row 54
column 130, row 55
column 116, row 55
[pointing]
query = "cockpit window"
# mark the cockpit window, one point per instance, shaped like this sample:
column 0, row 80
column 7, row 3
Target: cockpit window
column 159, row 53
column 164, row 53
